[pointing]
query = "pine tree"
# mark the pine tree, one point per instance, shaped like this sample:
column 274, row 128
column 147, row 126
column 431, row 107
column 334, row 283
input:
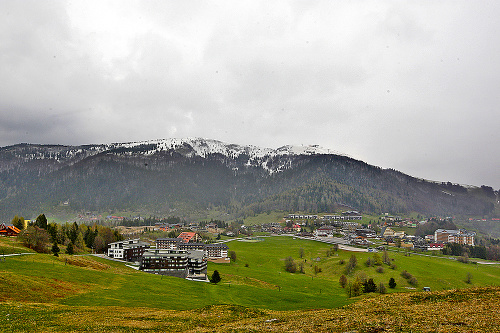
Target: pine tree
column 70, row 249
column 392, row 283
column 41, row 221
column 215, row 277
column 55, row 249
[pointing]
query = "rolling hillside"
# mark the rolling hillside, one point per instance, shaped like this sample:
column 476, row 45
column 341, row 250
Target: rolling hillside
column 71, row 293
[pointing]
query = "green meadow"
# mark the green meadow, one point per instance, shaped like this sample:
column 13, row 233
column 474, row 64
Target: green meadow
column 43, row 293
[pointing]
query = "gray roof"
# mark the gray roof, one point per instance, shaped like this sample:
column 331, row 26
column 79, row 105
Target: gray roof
column 218, row 245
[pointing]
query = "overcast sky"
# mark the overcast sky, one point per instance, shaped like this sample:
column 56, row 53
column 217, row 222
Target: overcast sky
column 409, row 85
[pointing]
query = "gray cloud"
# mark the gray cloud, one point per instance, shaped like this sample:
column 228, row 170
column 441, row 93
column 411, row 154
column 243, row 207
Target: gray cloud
column 411, row 86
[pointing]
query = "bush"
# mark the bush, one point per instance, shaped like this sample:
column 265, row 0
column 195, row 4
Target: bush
column 370, row 286
column 369, row 262
column 377, row 261
column 464, row 259
column 35, row 238
column 406, row 275
column 343, row 281
column 468, row 278
column 341, row 261
column 290, row 265
column 380, row 269
column 381, row 288
column 392, row 266
column 413, row 281
column 351, row 265
column 354, row 289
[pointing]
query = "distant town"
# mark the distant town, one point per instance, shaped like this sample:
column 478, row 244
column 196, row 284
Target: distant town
column 186, row 255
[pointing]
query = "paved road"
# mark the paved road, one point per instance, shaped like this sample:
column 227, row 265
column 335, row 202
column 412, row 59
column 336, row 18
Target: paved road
column 15, row 254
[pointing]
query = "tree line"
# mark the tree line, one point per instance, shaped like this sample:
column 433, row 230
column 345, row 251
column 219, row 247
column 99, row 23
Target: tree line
column 75, row 237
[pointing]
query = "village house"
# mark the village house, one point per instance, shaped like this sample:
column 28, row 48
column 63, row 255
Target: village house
column 387, row 232
column 187, row 237
column 8, row 230
column 435, row 246
column 325, row 231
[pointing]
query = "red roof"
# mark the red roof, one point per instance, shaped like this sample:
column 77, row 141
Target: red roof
column 8, row 229
column 186, row 236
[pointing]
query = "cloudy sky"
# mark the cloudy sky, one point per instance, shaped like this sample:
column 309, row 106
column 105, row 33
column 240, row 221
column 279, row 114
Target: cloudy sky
column 409, row 85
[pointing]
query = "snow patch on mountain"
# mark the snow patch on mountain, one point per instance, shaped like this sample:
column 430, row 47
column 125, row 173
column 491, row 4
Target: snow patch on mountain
column 204, row 147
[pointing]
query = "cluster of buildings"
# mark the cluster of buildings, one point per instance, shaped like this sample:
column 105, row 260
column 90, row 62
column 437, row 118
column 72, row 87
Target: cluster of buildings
column 430, row 242
column 184, row 256
column 349, row 215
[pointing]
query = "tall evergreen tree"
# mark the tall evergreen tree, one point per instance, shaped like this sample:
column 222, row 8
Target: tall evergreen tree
column 215, row 277
column 55, row 249
column 41, row 221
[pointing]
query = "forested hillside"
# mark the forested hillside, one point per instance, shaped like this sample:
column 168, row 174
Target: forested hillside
column 196, row 174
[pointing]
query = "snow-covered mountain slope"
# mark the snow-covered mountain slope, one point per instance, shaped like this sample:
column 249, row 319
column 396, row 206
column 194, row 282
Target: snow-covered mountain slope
column 204, row 147
column 249, row 156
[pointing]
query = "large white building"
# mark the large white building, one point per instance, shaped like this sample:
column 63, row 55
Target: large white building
column 129, row 250
column 461, row 236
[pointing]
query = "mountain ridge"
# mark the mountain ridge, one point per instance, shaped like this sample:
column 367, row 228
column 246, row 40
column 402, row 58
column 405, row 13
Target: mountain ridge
column 159, row 174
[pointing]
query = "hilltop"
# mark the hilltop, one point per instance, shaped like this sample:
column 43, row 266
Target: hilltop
column 193, row 176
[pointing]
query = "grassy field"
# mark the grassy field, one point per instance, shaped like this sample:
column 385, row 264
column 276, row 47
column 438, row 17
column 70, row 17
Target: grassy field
column 466, row 310
column 94, row 294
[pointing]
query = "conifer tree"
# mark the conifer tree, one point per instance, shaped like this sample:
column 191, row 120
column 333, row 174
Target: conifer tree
column 215, row 277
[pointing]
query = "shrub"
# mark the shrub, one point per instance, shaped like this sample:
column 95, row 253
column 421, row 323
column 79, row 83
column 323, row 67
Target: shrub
column 381, row 288
column 341, row 261
column 464, row 259
column 354, row 289
column 343, row 281
column 369, row 262
column 377, row 261
column 290, row 265
column 468, row 278
column 392, row 283
column 413, row 281
column 362, row 277
column 35, row 238
column 380, row 269
column 351, row 265
column 406, row 275
column 392, row 266
column 370, row 286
